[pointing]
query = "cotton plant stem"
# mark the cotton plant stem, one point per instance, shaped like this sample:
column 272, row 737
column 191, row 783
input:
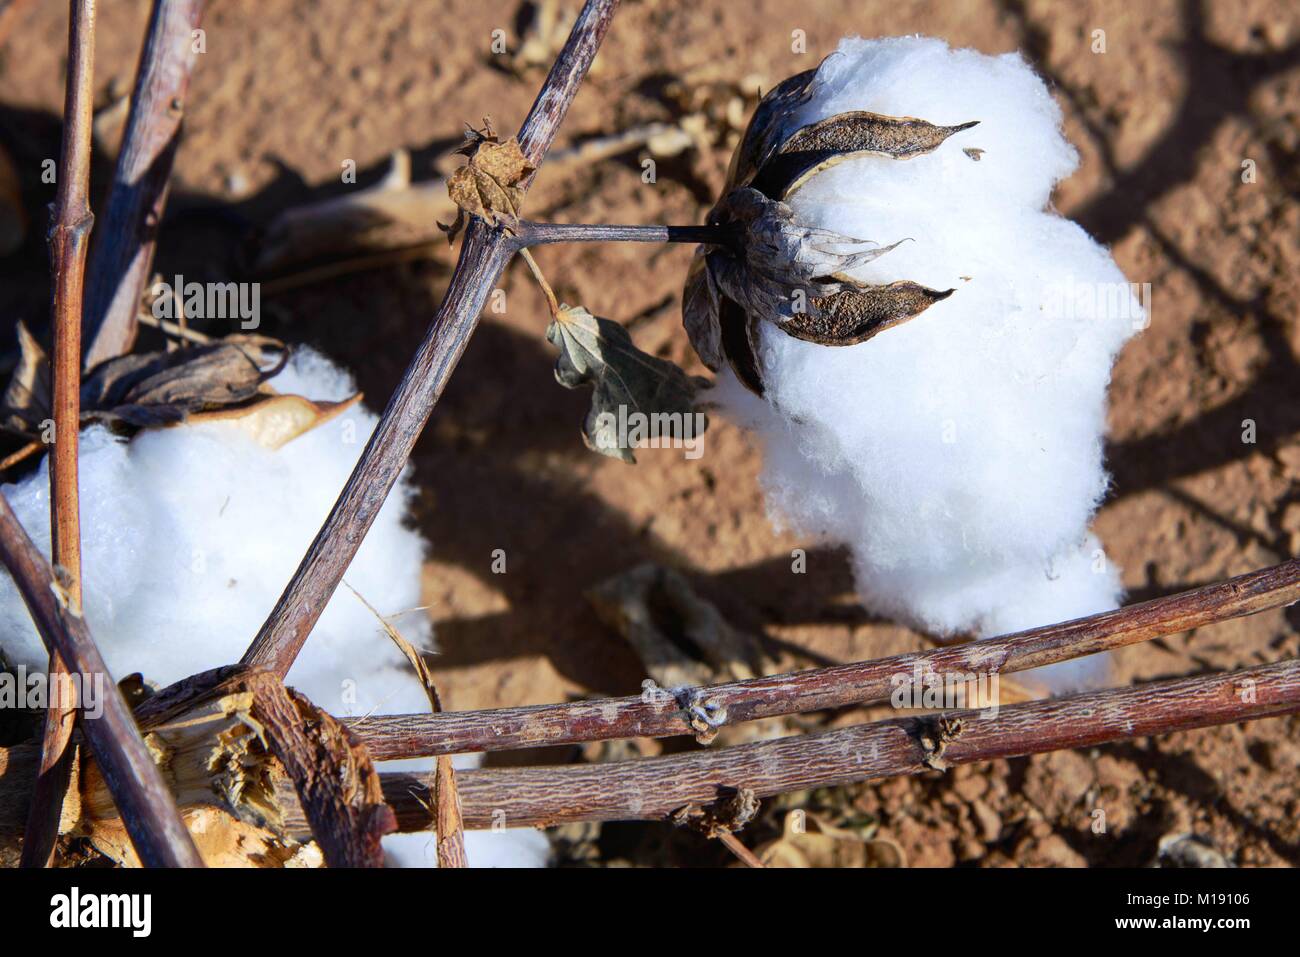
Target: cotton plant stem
column 69, row 234
column 142, row 797
column 552, row 303
column 123, row 255
column 666, row 713
column 540, row 234
column 485, row 251
column 335, row 781
column 652, row 788
column 736, row 847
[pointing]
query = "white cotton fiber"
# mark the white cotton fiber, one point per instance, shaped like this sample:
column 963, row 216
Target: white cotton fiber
column 960, row 454
column 189, row 536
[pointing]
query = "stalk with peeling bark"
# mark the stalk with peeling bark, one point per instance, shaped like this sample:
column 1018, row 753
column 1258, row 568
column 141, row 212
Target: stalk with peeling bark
column 653, row 788
column 123, row 255
column 69, row 234
column 698, row 710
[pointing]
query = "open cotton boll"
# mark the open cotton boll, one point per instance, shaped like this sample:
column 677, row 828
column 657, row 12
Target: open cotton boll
column 189, row 535
column 958, row 455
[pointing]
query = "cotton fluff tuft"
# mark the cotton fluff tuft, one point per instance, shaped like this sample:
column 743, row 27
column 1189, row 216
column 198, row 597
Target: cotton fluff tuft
column 190, row 534
column 959, row 455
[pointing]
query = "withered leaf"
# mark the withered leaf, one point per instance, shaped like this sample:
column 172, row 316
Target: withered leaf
column 856, row 314
column 813, row 842
column 161, row 388
column 843, row 136
column 221, row 380
column 488, row 186
column 26, row 402
column 625, row 380
column 681, row 638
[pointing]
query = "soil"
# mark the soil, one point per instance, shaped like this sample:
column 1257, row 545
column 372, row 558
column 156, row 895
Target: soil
column 1184, row 95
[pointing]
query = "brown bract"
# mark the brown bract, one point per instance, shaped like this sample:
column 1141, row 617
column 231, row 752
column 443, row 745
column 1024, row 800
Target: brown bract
column 223, row 380
column 489, row 185
column 778, row 269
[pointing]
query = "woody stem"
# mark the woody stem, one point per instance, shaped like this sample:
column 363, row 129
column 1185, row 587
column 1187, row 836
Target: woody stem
column 539, row 234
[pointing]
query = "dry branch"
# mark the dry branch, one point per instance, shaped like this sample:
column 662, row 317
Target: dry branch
column 662, row 715
column 337, row 786
column 69, row 233
column 137, row 786
column 652, row 788
column 484, row 253
column 542, row 234
column 123, row 255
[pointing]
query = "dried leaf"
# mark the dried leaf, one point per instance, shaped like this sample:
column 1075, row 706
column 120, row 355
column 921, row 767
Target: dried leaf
column 600, row 353
column 809, row 841
column 843, row 136
column 681, row 639
column 26, row 402
column 393, row 214
column 162, row 388
column 223, row 380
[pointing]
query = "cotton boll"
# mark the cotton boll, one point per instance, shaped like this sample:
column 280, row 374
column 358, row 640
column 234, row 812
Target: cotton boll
column 959, row 455
column 189, row 535
column 923, row 77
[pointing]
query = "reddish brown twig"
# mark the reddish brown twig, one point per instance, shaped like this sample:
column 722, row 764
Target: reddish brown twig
column 68, row 236
column 337, row 785
column 652, row 788
column 147, row 807
column 667, row 712
column 484, row 253
column 123, row 254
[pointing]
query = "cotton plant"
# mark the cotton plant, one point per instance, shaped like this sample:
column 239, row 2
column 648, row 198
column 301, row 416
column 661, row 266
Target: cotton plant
column 189, row 532
column 888, row 301
column 921, row 342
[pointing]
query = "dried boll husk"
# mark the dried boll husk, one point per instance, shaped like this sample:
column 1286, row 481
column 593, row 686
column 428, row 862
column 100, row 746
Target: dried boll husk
column 775, row 267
